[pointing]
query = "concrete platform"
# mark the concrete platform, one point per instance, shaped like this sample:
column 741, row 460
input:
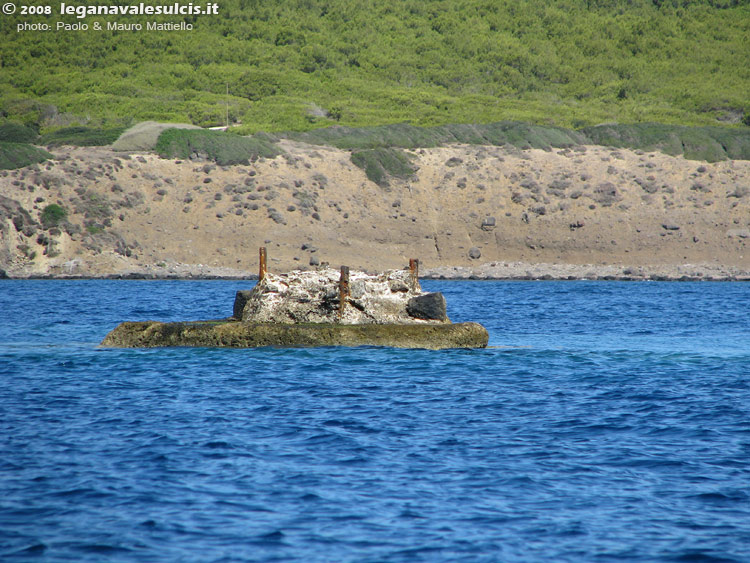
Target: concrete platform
column 238, row 334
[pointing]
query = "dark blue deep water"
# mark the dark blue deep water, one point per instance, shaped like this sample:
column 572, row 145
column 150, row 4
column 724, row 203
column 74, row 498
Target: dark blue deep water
column 609, row 421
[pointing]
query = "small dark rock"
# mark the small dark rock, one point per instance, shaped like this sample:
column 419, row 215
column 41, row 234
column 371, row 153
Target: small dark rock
column 577, row 225
column 474, row 253
column 430, row 306
column 240, row 300
column 670, row 227
column 488, row 223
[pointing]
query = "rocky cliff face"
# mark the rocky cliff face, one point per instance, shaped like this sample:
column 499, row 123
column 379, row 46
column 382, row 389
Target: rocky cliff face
column 465, row 206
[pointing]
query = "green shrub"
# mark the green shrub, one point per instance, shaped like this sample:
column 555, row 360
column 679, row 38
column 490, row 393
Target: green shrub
column 52, row 215
column 223, row 148
column 81, row 137
column 696, row 143
column 18, row 155
column 408, row 136
column 17, row 133
column 381, row 163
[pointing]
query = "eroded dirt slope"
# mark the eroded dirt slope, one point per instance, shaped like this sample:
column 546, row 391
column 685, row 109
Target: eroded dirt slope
column 466, row 206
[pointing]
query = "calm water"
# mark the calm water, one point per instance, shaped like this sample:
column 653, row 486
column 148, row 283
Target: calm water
column 611, row 421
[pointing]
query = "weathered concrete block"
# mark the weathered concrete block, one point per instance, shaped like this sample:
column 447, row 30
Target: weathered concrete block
column 234, row 334
column 313, row 297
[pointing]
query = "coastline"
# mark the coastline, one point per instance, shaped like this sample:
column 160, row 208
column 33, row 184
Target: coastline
column 468, row 212
column 489, row 271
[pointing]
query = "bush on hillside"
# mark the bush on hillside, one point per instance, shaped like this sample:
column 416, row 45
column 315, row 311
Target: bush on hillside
column 696, row 143
column 222, row 148
column 19, row 155
column 17, row 133
column 381, row 163
column 52, row 215
column 81, row 137
column 408, row 136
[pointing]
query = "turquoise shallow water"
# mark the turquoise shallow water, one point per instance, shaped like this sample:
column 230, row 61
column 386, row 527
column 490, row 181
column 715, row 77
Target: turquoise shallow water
column 609, row 421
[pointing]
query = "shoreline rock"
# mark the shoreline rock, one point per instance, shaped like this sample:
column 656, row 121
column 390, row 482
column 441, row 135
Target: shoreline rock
column 597, row 272
column 515, row 271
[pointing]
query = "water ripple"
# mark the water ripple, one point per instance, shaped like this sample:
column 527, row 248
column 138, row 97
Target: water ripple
column 585, row 435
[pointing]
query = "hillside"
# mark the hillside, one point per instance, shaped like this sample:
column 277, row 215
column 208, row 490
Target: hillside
column 277, row 65
column 580, row 211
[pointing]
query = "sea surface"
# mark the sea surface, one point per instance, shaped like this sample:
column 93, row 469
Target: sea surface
column 607, row 422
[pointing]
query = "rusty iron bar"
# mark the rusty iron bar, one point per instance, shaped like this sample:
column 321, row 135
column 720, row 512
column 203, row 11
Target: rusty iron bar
column 343, row 289
column 262, row 264
column 414, row 272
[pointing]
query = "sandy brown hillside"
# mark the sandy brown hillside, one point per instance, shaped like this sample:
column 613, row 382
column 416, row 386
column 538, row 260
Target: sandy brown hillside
column 493, row 211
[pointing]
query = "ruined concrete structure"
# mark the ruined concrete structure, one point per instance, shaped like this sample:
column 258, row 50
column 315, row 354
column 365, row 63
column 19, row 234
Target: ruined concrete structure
column 324, row 307
column 394, row 296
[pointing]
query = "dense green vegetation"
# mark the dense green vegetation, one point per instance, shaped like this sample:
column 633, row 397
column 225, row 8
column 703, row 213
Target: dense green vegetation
column 403, row 135
column 381, row 163
column 81, row 136
column 16, row 133
column 696, row 143
column 18, row 155
column 277, row 65
column 223, row 148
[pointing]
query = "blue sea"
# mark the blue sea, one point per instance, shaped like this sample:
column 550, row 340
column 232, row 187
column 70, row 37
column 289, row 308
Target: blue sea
column 608, row 421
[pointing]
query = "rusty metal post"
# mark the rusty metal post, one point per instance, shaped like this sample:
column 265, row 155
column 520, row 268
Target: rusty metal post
column 262, row 263
column 343, row 289
column 414, row 272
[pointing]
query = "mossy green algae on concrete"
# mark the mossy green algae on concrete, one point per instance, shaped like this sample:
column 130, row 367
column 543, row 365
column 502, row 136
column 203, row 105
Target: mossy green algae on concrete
column 237, row 334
